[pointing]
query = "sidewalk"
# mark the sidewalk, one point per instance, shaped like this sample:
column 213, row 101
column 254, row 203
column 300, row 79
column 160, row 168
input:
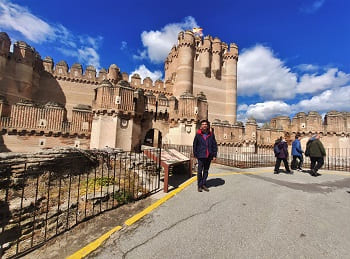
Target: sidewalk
column 247, row 213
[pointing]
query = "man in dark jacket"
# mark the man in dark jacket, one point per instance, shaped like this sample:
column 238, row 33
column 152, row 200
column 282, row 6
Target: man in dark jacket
column 316, row 151
column 204, row 149
column 297, row 153
column 281, row 154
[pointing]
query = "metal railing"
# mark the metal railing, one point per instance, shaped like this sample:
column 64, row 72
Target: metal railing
column 249, row 157
column 42, row 199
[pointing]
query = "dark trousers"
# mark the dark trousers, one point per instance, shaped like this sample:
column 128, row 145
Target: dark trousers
column 316, row 163
column 295, row 163
column 203, row 168
column 278, row 163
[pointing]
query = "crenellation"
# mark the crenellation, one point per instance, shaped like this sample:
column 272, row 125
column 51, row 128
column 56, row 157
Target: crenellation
column 61, row 69
column 113, row 73
column 24, row 53
column 102, row 75
column 135, row 80
column 48, row 64
column 76, row 71
column 90, row 73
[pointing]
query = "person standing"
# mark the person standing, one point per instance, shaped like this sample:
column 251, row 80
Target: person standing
column 281, row 154
column 297, row 154
column 316, row 151
column 205, row 150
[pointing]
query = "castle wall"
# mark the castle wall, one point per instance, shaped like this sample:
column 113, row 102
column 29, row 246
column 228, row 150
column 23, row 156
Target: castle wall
column 17, row 143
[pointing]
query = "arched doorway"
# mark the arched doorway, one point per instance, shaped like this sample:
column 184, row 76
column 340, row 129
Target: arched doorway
column 153, row 138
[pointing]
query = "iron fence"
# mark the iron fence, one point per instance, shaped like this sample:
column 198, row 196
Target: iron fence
column 249, row 157
column 42, row 199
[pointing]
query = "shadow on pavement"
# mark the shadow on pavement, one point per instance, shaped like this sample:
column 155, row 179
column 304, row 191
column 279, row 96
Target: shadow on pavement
column 215, row 182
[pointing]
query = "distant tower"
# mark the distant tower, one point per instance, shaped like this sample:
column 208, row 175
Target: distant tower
column 184, row 70
column 230, row 80
column 5, row 44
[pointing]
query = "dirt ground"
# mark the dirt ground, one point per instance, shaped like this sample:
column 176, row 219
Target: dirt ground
column 86, row 232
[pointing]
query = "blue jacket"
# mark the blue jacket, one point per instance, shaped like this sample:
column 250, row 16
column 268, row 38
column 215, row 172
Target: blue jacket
column 296, row 148
column 204, row 147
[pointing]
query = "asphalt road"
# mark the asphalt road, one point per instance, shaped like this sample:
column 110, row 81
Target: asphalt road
column 258, row 215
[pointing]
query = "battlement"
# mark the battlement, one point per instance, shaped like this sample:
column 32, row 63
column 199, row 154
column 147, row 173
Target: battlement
column 334, row 122
column 210, row 55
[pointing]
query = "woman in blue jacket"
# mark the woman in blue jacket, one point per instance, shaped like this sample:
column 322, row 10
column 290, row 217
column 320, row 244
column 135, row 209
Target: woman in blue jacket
column 204, row 149
column 297, row 153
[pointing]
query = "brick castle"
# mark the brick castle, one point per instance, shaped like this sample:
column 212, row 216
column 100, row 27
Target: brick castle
column 44, row 105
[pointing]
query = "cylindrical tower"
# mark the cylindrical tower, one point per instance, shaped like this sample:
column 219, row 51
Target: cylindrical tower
column 216, row 58
column 184, row 70
column 205, row 51
column 5, row 44
column 230, row 79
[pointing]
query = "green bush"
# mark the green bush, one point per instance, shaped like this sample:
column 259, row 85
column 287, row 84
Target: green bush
column 123, row 197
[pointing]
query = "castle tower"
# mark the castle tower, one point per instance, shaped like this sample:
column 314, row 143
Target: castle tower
column 216, row 58
column 48, row 64
column 205, row 57
column 113, row 73
column 184, row 70
column 5, row 44
column 230, row 80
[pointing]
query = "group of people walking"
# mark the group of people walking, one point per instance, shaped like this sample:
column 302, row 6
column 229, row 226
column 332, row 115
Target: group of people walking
column 205, row 150
column 314, row 149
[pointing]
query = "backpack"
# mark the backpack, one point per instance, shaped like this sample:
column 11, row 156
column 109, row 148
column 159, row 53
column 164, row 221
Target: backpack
column 276, row 150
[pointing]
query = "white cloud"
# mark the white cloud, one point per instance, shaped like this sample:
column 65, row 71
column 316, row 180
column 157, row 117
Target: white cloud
column 316, row 5
column 142, row 55
column 307, row 67
column 16, row 18
column 314, row 83
column 265, row 111
column 260, row 72
column 158, row 43
column 334, row 99
column 144, row 72
column 242, row 107
column 124, row 45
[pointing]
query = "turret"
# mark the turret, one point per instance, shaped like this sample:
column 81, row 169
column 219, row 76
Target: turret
column 184, row 71
column 102, row 74
column 76, row 70
column 135, row 80
column 205, row 52
column 61, row 68
column 90, row 73
column 23, row 53
column 229, row 76
column 5, row 44
column 216, row 58
column 147, row 82
column 48, row 64
column 113, row 73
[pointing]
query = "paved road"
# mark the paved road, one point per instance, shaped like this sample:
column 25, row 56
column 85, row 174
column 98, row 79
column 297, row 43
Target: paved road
column 258, row 215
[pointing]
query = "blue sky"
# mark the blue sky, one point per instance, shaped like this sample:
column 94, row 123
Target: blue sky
column 294, row 55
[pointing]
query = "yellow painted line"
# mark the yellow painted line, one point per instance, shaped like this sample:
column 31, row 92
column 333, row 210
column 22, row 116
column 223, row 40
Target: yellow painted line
column 93, row 245
column 138, row 216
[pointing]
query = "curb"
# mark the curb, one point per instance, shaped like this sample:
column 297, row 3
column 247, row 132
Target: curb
column 99, row 241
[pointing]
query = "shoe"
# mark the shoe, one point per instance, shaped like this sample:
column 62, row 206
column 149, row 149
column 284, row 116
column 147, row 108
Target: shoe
column 275, row 172
column 200, row 189
column 205, row 188
column 289, row 172
column 312, row 172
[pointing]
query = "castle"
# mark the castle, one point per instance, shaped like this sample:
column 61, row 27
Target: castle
column 44, row 105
